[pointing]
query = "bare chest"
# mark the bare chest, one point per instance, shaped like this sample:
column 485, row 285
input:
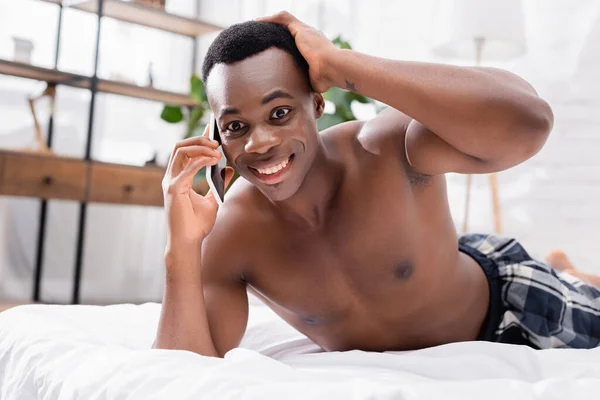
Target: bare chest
column 368, row 278
column 363, row 267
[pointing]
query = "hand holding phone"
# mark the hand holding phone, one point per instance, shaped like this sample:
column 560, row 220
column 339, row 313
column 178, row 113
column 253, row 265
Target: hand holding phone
column 190, row 215
column 215, row 174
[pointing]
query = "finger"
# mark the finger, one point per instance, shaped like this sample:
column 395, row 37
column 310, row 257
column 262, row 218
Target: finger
column 184, row 155
column 211, row 197
column 197, row 141
column 193, row 141
column 283, row 18
column 195, row 151
column 206, row 131
column 185, row 178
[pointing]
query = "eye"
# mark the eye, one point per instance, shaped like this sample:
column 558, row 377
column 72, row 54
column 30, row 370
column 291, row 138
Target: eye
column 235, row 126
column 280, row 113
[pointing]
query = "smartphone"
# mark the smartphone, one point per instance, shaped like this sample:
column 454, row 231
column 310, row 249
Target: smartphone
column 215, row 174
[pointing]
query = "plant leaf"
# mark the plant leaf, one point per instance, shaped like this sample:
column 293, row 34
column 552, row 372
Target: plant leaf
column 171, row 114
column 341, row 43
column 328, row 120
column 344, row 111
column 335, row 95
column 194, row 120
column 197, row 91
column 351, row 96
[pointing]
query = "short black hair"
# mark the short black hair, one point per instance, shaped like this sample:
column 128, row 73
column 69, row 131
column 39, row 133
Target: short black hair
column 246, row 39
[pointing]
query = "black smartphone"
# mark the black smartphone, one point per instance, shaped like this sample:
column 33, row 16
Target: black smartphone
column 215, row 174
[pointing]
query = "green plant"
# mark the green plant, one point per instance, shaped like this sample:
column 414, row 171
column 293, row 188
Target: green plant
column 175, row 114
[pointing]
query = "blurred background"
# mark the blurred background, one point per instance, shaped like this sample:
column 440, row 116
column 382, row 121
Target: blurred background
column 114, row 78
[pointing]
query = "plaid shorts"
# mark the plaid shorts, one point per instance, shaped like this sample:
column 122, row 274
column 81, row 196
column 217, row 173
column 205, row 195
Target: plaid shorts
column 531, row 303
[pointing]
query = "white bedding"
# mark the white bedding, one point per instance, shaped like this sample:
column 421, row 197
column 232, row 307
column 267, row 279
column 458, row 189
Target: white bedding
column 86, row 352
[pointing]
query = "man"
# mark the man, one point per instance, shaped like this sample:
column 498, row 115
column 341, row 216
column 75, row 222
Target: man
column 347, row 234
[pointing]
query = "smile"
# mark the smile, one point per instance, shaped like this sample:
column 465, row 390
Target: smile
column 274, row 173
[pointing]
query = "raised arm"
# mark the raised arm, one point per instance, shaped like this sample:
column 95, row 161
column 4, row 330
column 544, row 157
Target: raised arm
column 459, row 119
column 205, row 308
column 463, row 119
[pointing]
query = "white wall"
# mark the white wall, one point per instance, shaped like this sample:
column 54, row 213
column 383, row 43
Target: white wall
column 550, row 201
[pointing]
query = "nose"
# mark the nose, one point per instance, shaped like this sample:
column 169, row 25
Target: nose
column 261, row 140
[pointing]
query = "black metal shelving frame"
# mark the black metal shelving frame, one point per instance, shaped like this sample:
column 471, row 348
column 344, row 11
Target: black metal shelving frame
column 97, row 8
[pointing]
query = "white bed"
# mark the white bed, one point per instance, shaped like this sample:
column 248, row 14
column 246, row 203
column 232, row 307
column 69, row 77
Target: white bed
column 86, row 352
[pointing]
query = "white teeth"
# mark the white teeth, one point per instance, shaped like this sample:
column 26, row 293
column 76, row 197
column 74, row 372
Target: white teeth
column 274, row 168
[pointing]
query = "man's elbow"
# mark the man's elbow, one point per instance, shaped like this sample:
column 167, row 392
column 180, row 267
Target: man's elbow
column 528, row 133
column 538, row 127
column 525, row 136
column 544, row 119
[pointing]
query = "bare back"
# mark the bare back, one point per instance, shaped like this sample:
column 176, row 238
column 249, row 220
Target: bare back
column 383, row 272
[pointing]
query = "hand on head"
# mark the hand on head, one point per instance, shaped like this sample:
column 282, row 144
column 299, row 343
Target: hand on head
column 312, row 44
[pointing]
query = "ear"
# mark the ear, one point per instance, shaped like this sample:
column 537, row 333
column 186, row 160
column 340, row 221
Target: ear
column 319, row 104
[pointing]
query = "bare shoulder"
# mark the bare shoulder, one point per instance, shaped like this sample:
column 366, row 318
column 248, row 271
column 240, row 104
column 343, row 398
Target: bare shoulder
column 383, row 136
column 225, row 250
column 375, row 135
column 387, row 131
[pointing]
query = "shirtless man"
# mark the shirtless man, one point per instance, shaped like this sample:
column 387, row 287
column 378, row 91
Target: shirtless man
column 347, row 234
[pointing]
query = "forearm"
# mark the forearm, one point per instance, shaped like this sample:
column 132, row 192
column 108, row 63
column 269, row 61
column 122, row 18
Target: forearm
column 475, row 110
column 183, row 321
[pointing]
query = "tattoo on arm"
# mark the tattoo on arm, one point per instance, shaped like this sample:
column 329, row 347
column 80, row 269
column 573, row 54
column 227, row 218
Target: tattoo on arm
column 418, row 180
column 350, row 86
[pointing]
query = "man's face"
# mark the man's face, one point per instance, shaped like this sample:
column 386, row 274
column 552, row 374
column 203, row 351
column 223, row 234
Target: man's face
column 266, row 114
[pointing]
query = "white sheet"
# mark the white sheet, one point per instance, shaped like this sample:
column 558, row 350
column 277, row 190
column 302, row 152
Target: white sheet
column 85, row 352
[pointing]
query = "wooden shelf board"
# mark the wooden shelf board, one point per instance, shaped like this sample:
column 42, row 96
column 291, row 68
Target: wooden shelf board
column 51, row 176
column 51, row 75
column 147, row 93
column 146, row 16
column 104, row 85
column 35, row 153
column 57, row 177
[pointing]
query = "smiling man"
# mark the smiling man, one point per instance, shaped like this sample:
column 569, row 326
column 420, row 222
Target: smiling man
column 346, row 233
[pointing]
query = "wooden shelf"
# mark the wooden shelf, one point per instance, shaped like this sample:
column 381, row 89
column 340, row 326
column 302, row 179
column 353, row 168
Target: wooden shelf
column 146, row 16
column 22, row 70
column 106, row 86
column 55, row 177
column 43, row 176
column 147, row 93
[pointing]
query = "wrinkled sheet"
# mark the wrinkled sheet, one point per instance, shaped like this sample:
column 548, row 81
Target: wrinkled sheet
column 91, row 352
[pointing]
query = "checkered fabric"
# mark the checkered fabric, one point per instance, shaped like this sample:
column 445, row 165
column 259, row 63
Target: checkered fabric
column 531, row 303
